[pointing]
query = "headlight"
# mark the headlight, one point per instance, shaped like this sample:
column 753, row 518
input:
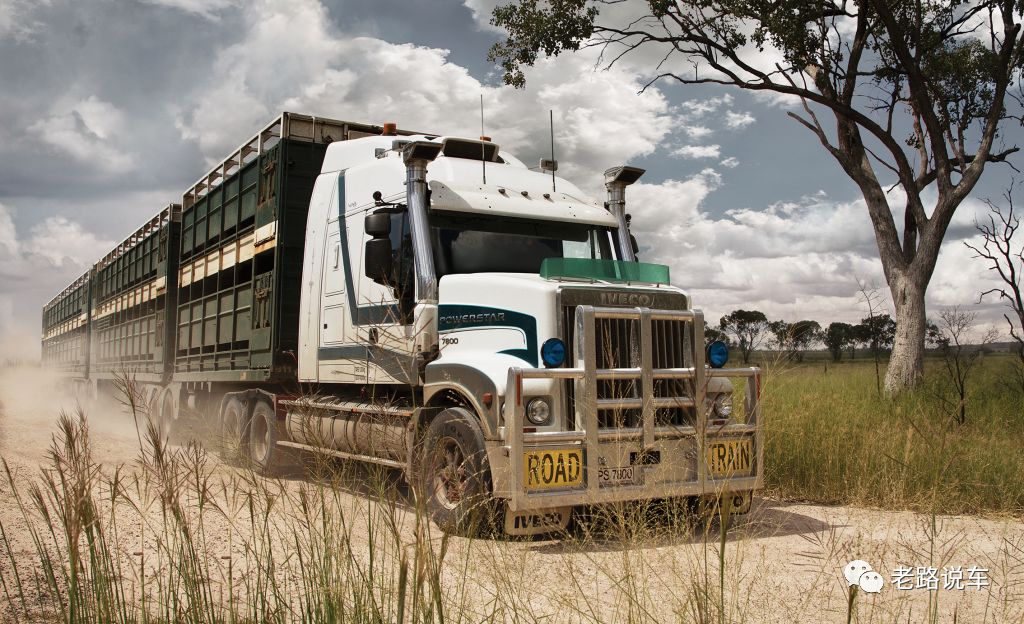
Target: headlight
column 552, row 352
column 723, row 405
column 538, row 411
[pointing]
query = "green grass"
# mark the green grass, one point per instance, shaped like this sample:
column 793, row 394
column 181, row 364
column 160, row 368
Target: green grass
column 831, row 438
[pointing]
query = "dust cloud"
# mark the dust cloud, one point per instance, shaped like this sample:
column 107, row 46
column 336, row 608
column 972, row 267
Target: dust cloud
column 31, row 401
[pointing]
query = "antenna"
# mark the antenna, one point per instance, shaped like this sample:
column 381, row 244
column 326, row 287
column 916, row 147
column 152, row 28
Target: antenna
column 551, row 120
column 483, row 145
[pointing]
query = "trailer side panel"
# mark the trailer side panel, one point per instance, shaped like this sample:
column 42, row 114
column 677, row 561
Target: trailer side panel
column 134, row 290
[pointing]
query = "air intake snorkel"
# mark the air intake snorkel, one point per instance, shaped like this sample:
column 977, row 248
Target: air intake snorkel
column 417, row 155
column 616, row 180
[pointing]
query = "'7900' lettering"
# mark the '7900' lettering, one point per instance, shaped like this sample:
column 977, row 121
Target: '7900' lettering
column 553, row 468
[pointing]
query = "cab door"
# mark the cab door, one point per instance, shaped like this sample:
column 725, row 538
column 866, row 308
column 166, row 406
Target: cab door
column 385, row 311
column 334, row 308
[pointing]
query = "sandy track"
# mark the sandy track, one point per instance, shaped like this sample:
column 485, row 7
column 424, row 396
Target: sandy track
column 783, row 560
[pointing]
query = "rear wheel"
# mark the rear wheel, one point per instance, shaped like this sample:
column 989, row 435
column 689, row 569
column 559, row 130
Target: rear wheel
column 263, row 450
column 454, row 478
column 234, row 428
column 166, row 415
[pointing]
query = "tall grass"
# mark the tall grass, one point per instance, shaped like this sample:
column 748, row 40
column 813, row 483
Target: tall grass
column 169, row 542
column 831, row 438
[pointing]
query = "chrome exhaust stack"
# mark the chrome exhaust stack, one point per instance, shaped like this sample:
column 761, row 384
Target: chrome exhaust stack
column 616, row 180
column 417, row 155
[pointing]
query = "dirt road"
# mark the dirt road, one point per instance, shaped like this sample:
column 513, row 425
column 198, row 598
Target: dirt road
column 783, row 561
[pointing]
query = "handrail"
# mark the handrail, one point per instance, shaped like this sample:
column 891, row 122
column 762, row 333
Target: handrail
column 293, row 126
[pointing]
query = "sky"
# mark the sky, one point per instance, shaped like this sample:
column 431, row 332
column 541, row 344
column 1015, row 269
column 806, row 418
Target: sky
column 112, row 108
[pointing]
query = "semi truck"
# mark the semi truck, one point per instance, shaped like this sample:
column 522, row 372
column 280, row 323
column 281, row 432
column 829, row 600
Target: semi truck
column 426, row 303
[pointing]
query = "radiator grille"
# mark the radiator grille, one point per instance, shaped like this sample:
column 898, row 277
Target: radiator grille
column 618, row 346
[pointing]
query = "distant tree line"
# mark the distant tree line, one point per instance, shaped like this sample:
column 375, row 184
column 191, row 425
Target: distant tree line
column 749, row 330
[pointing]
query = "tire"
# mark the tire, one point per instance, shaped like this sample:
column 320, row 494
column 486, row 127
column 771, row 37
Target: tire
column 264, row 454
column 167, row 417
column 233, row 435
column 453, row 476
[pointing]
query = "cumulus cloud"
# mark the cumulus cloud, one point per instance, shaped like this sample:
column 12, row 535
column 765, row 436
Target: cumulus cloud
column 702, row 108
column 55, row 244
column 600, row 120
column 738, row 120
column 792, row 260
column 699, row 119
column 33, row 268
column 89, row 130
column 718, row 110
column 482, row 10
column 660, row 58
column 696, row 131
column 698, row 151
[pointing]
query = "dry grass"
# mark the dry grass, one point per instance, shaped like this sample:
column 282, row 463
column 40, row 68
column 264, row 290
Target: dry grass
column 179, row 537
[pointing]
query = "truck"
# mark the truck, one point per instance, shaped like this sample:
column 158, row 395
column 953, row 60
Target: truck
column 426, row 303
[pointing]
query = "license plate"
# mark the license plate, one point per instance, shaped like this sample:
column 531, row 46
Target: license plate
column 623, row 475
column 730, row 457
column 555, row 468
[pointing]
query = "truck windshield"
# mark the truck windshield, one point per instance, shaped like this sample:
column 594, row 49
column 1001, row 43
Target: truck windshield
column 477, row 244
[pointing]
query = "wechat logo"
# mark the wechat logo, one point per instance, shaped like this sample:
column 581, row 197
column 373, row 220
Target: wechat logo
column 859, row 573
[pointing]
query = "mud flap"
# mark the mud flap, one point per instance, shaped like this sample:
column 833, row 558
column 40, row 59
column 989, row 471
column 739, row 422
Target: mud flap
column 536, row 522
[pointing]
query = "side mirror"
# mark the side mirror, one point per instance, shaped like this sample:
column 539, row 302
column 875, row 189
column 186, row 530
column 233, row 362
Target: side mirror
column 377, row 259
column 378, row 225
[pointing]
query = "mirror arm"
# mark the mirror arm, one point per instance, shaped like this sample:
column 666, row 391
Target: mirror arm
column 387, row 208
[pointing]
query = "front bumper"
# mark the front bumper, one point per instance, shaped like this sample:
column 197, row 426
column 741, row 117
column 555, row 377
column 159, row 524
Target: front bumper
column 661, row 461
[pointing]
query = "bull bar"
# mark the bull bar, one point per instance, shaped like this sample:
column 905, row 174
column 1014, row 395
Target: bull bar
column 586, row 375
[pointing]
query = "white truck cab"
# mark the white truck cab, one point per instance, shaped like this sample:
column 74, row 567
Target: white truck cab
column 533, row 362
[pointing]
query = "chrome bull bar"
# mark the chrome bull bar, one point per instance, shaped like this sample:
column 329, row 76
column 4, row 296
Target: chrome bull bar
column 587, row 405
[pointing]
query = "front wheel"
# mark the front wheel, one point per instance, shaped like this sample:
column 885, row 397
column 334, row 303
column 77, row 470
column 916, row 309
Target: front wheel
column 454, row 478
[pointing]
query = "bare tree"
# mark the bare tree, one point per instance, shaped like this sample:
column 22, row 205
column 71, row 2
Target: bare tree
column 872, row 299
column 958, row 356
column 1008, row 263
